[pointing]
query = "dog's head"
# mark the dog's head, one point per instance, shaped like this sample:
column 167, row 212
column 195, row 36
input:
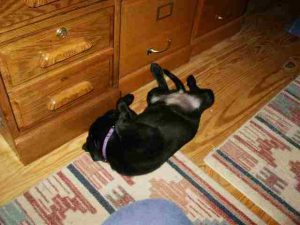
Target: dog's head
column 97, row 133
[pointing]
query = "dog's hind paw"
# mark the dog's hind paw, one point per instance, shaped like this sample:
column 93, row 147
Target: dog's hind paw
column 191, row 81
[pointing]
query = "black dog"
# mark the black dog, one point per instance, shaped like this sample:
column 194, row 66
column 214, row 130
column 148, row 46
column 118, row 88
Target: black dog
column 138, row 144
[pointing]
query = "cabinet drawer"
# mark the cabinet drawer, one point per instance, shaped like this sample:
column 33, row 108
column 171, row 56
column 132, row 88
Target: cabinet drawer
column 60, row 89
column 50, row 135
column 17, row 13
column 215, row 13
column 151, row 24
column 32, row 56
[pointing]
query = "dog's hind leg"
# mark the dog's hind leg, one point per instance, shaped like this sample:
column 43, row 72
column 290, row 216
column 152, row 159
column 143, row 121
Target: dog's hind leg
column 179, row 85
column 191, row 82
column 158, row 74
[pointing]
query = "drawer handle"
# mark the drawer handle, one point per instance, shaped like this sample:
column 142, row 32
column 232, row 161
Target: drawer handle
column 66, row 96
column 71, row 48
column 38, row 3
column 224, row 16
column 62, row 32
column 218, row 17
column 152, row 50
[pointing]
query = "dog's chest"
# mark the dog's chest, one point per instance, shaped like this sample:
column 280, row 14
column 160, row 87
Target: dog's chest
column 183, row 100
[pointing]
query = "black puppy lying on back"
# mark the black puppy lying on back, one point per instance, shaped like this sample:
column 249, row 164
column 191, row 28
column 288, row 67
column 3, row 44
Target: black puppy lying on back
column 138, row 144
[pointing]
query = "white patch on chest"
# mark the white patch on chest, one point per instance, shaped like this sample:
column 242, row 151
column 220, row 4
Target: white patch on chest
column 183, row 100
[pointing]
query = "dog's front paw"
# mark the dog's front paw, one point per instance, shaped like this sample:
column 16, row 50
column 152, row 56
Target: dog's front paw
column 127, row 99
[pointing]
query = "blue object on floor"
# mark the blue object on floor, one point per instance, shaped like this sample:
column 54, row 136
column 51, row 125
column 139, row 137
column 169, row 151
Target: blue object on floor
column 294, row 28
column 149, row 212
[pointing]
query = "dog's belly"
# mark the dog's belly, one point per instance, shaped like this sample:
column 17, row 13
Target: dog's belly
column 172, row 125
column 183, row 100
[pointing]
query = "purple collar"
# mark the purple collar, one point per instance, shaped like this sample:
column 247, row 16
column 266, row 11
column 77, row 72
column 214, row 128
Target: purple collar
column 106, row 140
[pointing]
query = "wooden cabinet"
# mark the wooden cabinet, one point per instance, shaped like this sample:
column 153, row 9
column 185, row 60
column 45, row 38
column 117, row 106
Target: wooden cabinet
column 44, row 51
column 57, row 75
column 160, row 25
column 153, row 30
column 216, row 20
column 63, row 63
column 61, row 89
column 17, row 13
column 216, row 13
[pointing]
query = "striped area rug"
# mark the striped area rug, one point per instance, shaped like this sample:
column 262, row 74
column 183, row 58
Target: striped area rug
column 86, row 192
column 262, row 158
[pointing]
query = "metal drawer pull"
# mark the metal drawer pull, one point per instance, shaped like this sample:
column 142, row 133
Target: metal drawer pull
column 218, row 17
column 152, row 50
column 62, row 32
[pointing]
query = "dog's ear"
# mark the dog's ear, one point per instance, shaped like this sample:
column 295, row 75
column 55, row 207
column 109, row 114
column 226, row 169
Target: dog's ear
column 158, row 74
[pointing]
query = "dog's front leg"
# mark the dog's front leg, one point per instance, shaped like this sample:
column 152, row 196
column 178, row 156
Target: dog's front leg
column 125, row 118
column 128, row 99
column 125, row 113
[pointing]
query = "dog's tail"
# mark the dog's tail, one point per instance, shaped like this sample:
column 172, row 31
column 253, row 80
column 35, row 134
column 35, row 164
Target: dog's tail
column 158, row 74
column 179, row 85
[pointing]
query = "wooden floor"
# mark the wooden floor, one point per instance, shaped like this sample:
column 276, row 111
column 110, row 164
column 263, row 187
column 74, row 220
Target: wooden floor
column 245, row 72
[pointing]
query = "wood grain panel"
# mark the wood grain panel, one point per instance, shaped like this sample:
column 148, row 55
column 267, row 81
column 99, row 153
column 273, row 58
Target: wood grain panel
column 43, row 20
column 11, row 130
column 37, row 3
column 117, row 31
column 215, row 13
column 5, row 132
column 30, row 101
column 21, row 59
column 140, row 30
column 15, row 13
column 208, row 40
